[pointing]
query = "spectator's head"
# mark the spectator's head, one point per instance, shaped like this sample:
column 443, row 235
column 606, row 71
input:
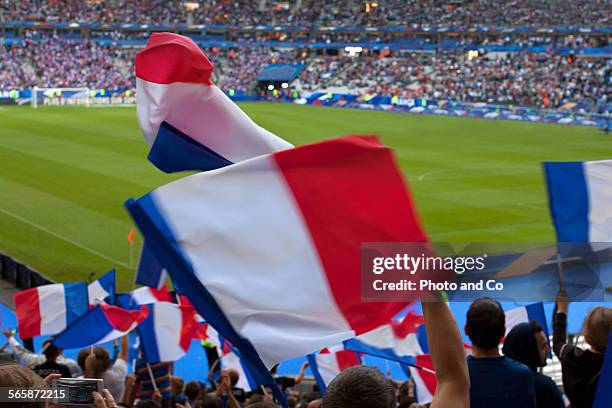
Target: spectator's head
column 486, row 323
column 263, row 404
column 233, row 375
column 597, row 326
column 96, row 363
column 147, row 404
column 51, row 351
column 208, row 401
column 527, row 344
column 192, row 390
column 360, row 386
column 177, row 384
column 18, row 376
column 315, row 404
column 292, row 402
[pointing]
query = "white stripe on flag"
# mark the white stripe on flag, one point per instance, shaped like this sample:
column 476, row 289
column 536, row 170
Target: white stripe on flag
column 52, row 306
column 168, row 324
column 598, row 175
column 516, row 316
column 279, row 241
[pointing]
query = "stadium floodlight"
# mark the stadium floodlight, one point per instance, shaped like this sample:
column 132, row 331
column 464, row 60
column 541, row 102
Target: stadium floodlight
column 285, row 85
column 353, row 51
column 270, row 87
column 60, row 96
column 191, row 5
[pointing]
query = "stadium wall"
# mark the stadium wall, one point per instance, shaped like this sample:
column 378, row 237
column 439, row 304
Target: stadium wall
column 19, row 274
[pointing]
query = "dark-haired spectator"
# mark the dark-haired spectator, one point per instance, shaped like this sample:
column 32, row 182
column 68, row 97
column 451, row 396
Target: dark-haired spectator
column 496, row 380
column 581, row 368
column 360, row 386
column 208, row 401
column 192, row 392
column 51, row 366
column 527, row 343
column 178, row 386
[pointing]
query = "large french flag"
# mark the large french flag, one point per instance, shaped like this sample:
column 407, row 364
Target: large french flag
column 398, row 341
column 49, row 309
column 103, row 323
column 327, row 364
column 167, row 332
column 579, row 196
column 103, row 289
column 189, row 123
column 238, row 239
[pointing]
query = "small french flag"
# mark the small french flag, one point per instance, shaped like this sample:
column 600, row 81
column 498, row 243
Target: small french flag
column 49, row 309
column 424, row 378
column 103, row 289
column 397, row 341
column 189, row 123
column 230, row 358
column 103, row 323
column 167, row 332
column 326, row 365
column 525, row 314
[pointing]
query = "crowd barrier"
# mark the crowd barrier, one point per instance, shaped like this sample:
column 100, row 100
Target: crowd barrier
column 20, row 274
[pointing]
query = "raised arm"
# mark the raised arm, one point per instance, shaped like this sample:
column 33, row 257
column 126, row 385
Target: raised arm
column 560, row 323
column 447, row 354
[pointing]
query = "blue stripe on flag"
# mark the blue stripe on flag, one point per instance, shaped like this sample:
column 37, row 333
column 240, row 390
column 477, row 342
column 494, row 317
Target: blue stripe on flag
column 107, row 281
column 175, row 151
column 386, row 353
column 603, row 396
column 568, row 200
column 422, row 337
column 148, row 337
column 314, row 367
column 159, row 236
column 150, row 271
column 86, row 331
column 77, row 301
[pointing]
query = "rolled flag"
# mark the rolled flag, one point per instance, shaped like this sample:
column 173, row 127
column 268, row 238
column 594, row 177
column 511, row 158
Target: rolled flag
column 102, row 324
column 398, row 341
column 262, row 219
column 167, row 332
column 150, row 272
column 230, row 359
column 189, row 123
column 103, row 289
column 579, row 195
column 424, row 378
column 326, row 365
column 49, row 309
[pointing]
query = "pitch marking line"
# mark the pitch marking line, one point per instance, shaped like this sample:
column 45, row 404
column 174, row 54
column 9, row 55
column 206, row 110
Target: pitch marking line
column 55, row 234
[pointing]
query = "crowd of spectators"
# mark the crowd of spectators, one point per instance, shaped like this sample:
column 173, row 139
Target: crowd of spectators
column 381, row 13
column 529, row 79
column 64, row 63
column 490, row 375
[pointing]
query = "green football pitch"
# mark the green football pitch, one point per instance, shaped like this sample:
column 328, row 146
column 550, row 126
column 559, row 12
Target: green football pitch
column 65, row 173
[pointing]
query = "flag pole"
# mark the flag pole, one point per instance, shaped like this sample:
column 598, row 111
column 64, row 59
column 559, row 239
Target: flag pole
column 151, row 377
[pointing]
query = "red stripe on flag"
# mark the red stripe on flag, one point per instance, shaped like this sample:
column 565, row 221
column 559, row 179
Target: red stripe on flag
column 170, row 58
column 346, row 359
column 27, row 309
column 189, row 328
column 429, row 379
column 350, row 191
column 122, row 319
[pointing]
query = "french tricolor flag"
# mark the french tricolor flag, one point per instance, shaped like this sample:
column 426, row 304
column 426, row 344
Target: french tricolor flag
column 189, row 123
column 230, row 359
column 397, row 341
column 424, row 378
column 239, row 238
column 167, row 332
column 150, row 272
column 326, row 365
column 525, row 314
column 49, row 309
column 146, row 295
column 579, row 195
column 103, row 289
column 102, row 324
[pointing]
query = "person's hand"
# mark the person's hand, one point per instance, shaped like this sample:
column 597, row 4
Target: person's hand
column 130, row 379
column 304, row 367
column 157, row 396
column 8, row 333
column 563, row 302
column 51, row 377
column 104, row 400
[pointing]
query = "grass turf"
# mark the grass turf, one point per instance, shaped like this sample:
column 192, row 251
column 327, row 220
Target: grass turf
column 65, row 173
